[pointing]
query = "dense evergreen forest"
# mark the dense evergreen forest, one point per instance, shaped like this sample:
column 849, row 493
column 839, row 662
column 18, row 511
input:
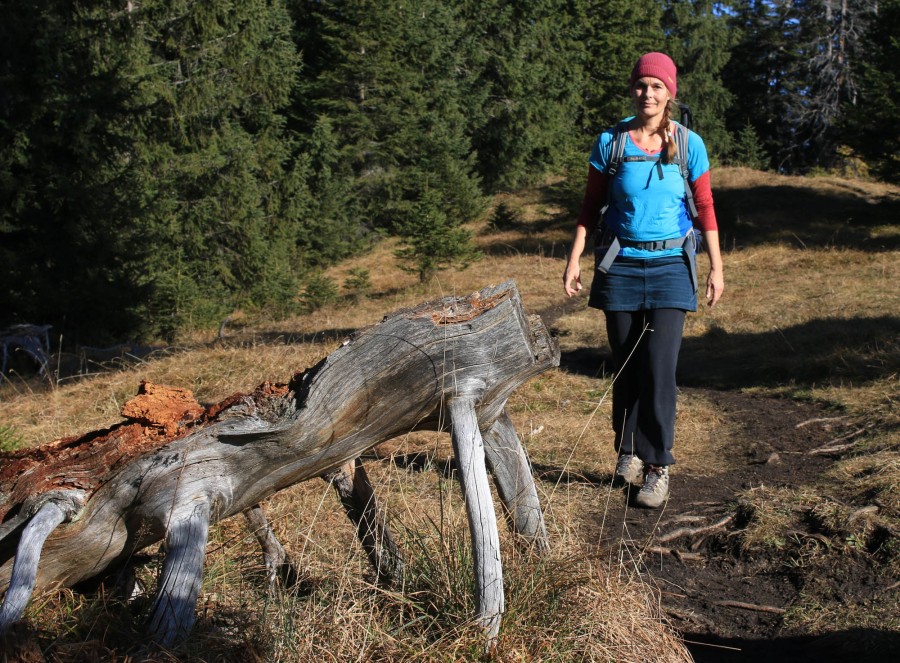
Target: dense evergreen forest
column 164, row 162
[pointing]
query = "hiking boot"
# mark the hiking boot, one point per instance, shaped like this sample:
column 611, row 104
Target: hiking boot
column 656, row 487
column 630, row 469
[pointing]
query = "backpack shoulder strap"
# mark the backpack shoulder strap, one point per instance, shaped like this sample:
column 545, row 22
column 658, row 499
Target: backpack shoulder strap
column 620, row 132
column 681, row 141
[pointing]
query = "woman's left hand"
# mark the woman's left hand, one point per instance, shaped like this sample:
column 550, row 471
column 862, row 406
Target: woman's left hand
column 715, row 282
column 715, row 285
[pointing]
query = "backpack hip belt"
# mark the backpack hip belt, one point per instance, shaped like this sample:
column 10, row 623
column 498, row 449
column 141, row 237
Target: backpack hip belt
column 688, row 242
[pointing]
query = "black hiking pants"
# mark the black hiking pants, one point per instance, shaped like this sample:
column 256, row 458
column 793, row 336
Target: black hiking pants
column 645, row 347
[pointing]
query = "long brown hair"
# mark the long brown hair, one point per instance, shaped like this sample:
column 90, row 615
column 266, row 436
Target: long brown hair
column 670, row 146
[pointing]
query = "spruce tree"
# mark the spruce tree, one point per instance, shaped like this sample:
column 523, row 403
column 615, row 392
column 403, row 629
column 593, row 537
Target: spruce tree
column 699, row 41
column 794, row 71
column 148, row 183
column 392, row 82
column 331, row 229
column 71, row 254
column 747, row 151
column 217, row 75
column 432, row 240
column 761, row 76
column 525, row 61
column 615, row 34
column 876, row 106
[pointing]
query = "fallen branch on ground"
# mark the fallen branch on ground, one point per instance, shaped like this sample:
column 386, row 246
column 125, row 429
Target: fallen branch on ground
column 677, row 554
column 834, row 447
column 818, row 420
column 751, row 606
column 694, row 531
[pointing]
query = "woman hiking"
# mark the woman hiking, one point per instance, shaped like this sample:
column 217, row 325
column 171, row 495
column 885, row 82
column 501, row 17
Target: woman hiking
column 646, row 282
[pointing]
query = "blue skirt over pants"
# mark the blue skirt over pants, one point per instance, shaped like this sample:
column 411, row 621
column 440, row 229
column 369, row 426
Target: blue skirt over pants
column 634, row 284
column 645, row 302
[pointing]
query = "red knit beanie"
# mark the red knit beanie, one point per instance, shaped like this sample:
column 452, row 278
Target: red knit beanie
column 658, row 65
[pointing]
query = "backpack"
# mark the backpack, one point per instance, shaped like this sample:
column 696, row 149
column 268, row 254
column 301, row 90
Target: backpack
column 608, row 244
column 681, row 141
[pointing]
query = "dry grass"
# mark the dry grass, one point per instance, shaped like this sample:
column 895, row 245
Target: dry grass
column 810, row 313
column 43, row 413
column 563, row 607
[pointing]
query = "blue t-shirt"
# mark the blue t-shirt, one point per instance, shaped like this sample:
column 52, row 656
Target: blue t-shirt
column 643, row 207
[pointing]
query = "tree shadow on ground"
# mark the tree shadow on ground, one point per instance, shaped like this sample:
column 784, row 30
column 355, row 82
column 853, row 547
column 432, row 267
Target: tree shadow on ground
column 799, row 216
column 806, row 217
column 847, row 646
column 419, row 462
column 853, row 350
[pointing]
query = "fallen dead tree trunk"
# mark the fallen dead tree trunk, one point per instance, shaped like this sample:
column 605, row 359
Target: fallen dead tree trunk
column 76, row 507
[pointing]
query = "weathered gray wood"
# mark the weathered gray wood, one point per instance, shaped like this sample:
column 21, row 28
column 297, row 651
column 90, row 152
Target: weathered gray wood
column 384, row 381
column 508, row 462
column 468, row 447
column 25, row 567
column 13, row 524
column 172, row 614
column 279, row 566
column 43, row 513
column 353, row 488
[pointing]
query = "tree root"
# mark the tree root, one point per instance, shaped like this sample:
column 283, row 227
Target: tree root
column 834, row 445
column 751, row 606
column 694, row 531
column 677, row 554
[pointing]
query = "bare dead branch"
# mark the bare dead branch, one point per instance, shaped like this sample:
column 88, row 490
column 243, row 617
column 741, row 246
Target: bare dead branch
column 680, row 555
column 834, row 445
column 818, row 420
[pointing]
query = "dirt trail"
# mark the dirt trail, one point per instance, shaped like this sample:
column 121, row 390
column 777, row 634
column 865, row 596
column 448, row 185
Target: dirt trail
column 728, row 604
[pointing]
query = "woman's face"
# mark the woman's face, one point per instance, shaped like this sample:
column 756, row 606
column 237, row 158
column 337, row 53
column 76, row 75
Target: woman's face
column 650, row 96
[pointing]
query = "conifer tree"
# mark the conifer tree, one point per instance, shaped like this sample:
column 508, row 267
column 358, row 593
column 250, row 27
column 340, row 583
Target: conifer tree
column 527, row 66
column 331, row 229
column 758, row 73
column 431, row 240
column 793, row 71
column 747, row 151
column 70, row 252
column 213, row 142
column 615, row 34
column 699, row 41
column 147, row 184
column 876, row 106
column 391, row 79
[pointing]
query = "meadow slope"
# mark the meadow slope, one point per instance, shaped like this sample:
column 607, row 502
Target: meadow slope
column 781, row 539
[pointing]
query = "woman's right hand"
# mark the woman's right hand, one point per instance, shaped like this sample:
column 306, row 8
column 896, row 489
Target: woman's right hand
column 572, row 277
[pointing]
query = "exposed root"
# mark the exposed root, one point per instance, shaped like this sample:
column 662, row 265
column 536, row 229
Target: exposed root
column 835, row 446
column 751, row 606
column 695, row 531
column 681, row 556
column 818, row 420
